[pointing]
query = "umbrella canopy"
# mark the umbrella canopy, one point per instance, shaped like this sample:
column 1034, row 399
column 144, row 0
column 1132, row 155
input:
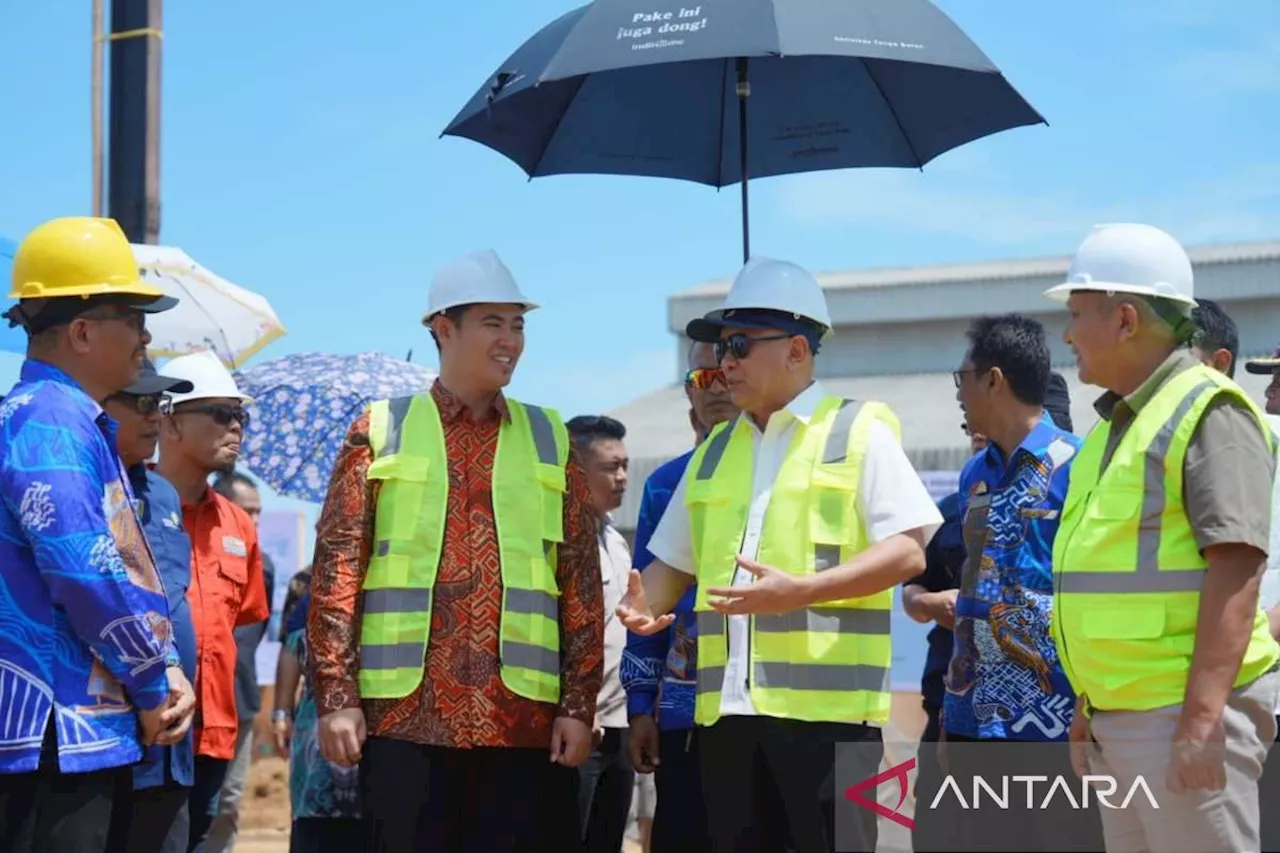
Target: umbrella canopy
column 12, row 338
column 720, row 91
column 212, row 313
column 303, row 406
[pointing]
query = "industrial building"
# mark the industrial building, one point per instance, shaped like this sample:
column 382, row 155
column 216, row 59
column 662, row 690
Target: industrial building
column 900, row 332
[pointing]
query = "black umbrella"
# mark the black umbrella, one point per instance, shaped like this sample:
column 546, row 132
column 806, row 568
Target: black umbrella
column 662, row 91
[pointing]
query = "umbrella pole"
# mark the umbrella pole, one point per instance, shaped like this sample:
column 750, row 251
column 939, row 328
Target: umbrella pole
column 744, row 92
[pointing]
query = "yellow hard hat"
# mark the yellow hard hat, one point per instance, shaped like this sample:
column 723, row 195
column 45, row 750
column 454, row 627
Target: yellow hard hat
column 77, row 256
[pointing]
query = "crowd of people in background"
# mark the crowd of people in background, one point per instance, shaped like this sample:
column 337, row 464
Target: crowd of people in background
column 476, row 659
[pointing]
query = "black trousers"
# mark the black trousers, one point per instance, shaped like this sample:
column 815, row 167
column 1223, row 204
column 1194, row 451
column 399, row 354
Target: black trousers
column 152, row 820
column 680, row 819
column 431, row 798
column 1269, row 798
column 202, row 807
column 604, row 794
column 1051, row 825
column 750, row 764
column 48, row 811
column 326, row 835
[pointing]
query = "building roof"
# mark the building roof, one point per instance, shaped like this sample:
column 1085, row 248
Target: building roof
column 658, row 426
column 1224, row 253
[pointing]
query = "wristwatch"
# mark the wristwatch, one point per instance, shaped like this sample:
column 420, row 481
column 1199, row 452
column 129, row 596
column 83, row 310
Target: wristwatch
column 280, row 714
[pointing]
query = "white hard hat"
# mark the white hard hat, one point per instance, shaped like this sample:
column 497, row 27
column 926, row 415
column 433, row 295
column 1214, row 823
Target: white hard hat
column 208, row 377
column 474, row 277
column 1129, row 258
column 769, row 285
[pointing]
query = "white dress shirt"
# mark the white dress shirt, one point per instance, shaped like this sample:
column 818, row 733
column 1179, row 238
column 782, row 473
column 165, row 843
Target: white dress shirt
column 615, row 569
column 891, row 500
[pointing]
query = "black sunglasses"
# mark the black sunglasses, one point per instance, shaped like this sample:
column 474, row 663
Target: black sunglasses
column 144, row 404
column 739, row 345
column 222, row 413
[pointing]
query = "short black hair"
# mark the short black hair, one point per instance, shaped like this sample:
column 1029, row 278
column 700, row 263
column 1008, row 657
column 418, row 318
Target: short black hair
column 586, row 430
column 1215, row 330
column 455, row 314
column 1016, row 344
column 226, row 481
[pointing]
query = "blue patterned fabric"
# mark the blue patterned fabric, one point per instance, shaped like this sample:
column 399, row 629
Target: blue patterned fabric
column 658, row 671
column 316, row 787
column 303, row 406
column 1005, row 680
column 160, row 511
column 84, row 621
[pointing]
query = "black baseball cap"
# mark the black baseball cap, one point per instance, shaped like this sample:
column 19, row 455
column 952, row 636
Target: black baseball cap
column 707, row 329
column 151, row 382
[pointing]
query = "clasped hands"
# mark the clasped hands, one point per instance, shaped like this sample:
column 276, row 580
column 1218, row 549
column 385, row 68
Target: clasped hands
column 168, row 722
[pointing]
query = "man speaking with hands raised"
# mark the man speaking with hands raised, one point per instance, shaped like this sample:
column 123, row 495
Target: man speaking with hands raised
column 797, row 519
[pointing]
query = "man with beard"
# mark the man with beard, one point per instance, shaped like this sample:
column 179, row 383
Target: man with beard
column 202, row 435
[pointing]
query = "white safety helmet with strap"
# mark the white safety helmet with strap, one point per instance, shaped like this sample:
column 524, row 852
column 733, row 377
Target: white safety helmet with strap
column 472, row 278
column 1130, row 258
column 769, row 285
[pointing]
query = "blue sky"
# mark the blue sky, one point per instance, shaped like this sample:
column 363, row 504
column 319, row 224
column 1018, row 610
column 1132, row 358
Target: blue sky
column 301, row 159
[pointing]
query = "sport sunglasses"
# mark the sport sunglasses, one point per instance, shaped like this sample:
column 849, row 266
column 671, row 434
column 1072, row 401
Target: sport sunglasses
column 145, row 404
column 702, row 378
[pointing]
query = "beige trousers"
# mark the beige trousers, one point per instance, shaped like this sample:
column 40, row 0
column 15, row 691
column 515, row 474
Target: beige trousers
column 1129, row 744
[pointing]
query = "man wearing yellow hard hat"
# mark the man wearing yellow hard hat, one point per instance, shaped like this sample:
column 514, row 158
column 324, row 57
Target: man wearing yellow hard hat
column 88, row 671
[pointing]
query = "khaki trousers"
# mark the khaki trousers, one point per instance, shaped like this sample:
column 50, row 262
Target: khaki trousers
column 1129, row 744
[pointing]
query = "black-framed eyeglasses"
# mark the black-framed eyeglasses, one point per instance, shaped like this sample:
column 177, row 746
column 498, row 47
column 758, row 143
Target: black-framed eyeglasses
column 739, row 344
column 958, row 375
column 135, row 320
column 222, row 413
column 702, row 378
column 145, row 404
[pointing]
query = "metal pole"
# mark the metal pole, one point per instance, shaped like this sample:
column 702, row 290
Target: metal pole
column 744, row 92
column 155, row 16
column 96, row 97
column 133, row 156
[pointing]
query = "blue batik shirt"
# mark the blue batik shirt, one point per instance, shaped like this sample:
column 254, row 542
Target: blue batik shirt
column 317, row 788
column 84, row 623
column 1005, row 680
column 658, row 671
column 160, row 511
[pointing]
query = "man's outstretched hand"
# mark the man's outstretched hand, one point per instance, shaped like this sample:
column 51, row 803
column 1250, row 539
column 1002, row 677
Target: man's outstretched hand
column 633, row 610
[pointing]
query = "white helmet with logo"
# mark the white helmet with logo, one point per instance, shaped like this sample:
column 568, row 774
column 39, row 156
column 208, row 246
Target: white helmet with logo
column 771, row 285
column 1130, row 258
column 474, row 277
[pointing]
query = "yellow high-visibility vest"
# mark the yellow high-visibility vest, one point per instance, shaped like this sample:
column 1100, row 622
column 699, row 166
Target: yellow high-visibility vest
column 1127, row 570
column 528, row 488
column 827, row 663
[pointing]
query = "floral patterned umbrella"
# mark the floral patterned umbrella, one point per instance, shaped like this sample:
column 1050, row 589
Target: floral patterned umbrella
column 303, row 406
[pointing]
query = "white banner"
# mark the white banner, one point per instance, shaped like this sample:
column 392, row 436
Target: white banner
column 940, row 483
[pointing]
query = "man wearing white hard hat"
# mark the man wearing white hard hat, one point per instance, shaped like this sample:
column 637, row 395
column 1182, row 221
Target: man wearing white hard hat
column 200, row 435
column 800, row 516
column 1163, row 540
column 456, row 624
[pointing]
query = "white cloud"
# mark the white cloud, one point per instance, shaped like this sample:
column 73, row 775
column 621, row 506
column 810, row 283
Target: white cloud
column 973, row 205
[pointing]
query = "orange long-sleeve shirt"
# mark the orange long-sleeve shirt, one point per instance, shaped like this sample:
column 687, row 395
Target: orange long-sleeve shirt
column 228, row 589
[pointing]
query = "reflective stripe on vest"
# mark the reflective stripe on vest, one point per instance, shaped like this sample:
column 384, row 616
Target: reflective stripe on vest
column 410, row 461
column 829, row 662
column 1127, row 568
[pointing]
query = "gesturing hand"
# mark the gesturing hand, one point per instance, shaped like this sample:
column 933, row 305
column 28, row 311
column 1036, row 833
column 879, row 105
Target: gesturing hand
column 633, row 610
column 771, row 591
